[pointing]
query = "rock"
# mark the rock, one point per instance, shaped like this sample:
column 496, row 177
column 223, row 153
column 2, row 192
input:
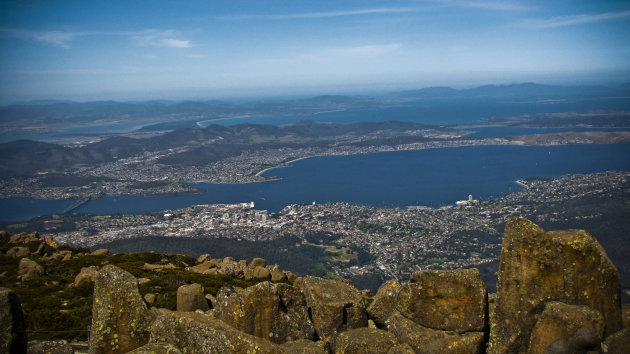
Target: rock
column 86, row 275
column 625, row 315
column 276, row 312
column 100, row 252
column 403, row 348
column 158, row 267
column 203, row 267
column 28, row 270
column 536, row 267
column 384, row 302
column 257, row 262
column 335, row 305
column 191, row 298
column 142, row 281
column 120, row 317
column 67, row 255
column 150, row 298
column 25, row 238
column 449, row 300
column 617, row 343
column 277, row 274
column 203, row 258
column 212, row 301
column 18, row 252
column 44, row 250
column 230, row 267
column 156, row 348
column 304, row 346
column 427, row 340
column 261, row 273
column 50, row 241
column 193, row 332
column 562, row 321
column 12, row 325
column 50, row 347
column 4, row 236
column 364, row 340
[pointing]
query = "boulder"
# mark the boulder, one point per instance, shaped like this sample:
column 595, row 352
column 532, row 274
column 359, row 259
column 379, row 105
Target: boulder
column 449, row 300
column 50, row 347
column 364, row 340
column 191, row 298
column 156, row 348
column 203, row 258
column 426, row 340
column 193, row 332
column 384, row 302
column 276, row 312
column 12, row 326
column 44, row 250
column 625, row 315
column 120, row 317
column 261, row 273
column 202, row 268
column 28, row 270
column 304, row 346
column 562, row 321
column 86, row 275
column 335, row 305
column 100, row 252
column 537, row 266
column 18, row 252
column 277, row 274
column 617, row 343
column 257, row 262
column 401, row 348
column 150, row 298
column 25, row 238
column 50, row 241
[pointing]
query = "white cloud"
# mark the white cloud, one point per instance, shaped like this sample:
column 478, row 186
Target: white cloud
column 485, row 5
column 63, row 39
column 365, row 50
column 563, row 21
column 324, row 14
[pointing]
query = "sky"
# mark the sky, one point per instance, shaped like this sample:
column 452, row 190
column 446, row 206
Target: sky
column 130, row 50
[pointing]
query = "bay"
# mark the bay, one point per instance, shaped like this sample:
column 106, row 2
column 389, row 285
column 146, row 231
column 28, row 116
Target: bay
column 432, row 177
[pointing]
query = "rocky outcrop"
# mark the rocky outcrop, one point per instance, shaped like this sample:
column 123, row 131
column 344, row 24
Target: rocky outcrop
column 617, row 343
column 427, row 340
column 18, row 252
column 191, row 297
column 536, row 267
column 193, row 332
column 335, row 305
column 12, row 326
column 364, row 340
column 256, row 270
column 449, row 300
column 120, row 317
column 29, row 270
column 384, row 302
column 560, row 321
column 276, row 312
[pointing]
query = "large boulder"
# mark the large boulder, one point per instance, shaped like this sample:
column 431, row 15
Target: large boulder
column 86, row 275
column 18, row 252
column 24, row 238
column 304, row 346
column 617, row 343
column 120, row 317
column 428, row 340
column 536, row 267
column 384, row 302
column 12, row 326
column 29, row 270
column 450, row 300
column 193, row 332
column 276, row 312
column 562, row 321
column 191, row 298
column 336, row 306
column 364, row 340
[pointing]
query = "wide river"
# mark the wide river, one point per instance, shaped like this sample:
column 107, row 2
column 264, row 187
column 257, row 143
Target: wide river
column 434, row 177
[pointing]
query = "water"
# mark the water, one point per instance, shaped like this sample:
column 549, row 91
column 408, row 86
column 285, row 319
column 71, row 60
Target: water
column 434, row 177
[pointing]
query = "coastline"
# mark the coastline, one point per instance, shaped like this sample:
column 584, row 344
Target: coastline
column 282, row 165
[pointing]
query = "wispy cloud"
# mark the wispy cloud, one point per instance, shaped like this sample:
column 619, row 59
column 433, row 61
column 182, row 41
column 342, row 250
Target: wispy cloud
column 64, row 38
column 563, row 21
column 364, row 50
column 323, row 14
column 484, row 5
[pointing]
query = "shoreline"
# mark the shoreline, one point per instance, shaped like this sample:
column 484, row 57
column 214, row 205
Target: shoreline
column 282, row 165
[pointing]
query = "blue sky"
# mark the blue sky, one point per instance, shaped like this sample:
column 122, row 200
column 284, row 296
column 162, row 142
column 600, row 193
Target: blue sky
column 127, row 50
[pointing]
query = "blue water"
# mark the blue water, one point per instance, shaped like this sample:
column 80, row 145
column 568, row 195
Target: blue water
column 434, row 177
